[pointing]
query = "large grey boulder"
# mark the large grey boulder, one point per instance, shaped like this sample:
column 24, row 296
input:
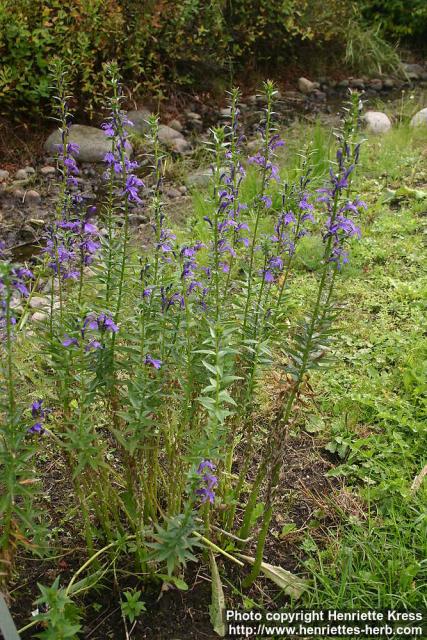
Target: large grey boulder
column 173, row 139
column 92, row 141
column 377, row 122
column 419, row 118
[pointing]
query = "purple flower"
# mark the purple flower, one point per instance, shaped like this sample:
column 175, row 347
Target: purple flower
column 36, row 408
column 39, row 413
column 153, row 362
column 68, row 342
column 267, row 201
column 206, row 493
column 102, row 323
column 37, row 428
column 131, row 190
column 93, row 345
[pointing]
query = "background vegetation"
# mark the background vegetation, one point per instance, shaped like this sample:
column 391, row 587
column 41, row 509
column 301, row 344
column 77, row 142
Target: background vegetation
column 158, row 42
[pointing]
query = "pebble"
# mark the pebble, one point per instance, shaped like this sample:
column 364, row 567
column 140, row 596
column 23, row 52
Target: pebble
column 357, row 83
column 48, row 170
column 173, row 193
column 18, row 194
column 39, row 316
column 37, row 302
column 30, row 171
column 388, row 83
column 21, row 174
column 32, row 197
column 193, row 115
column 307, row 86
column 376, row 84
column 4, row 175
column 176, row 124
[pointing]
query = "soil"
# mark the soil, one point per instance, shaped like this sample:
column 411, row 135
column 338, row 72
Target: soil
column 308, row 499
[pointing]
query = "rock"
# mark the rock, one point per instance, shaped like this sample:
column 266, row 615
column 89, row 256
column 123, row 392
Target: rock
column 199, row 178
column 39, row 316
column 307, row 86
column 194, row 121
column 37, row 302
column 357, row 83
column 254, row 145
column 343, row 84
column 32, row 197
column 388, row 83
column 21, row 174
column 4, row 175
column 318, row 95
column 182, row 189
column 414, row 71
column 181, row 146
column 173, row 193
column 419, row 118
column 18, row 194
column 176, row 124
column 376, row 84
column 48, row 170
column 139, row 119
column 377, row 122
column 225, row 112
column 30, row 171
column 193, row 115
column 135, row 219
column 92, row 141
column 173, row 139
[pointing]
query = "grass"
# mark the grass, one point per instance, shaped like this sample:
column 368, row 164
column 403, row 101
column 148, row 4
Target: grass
column 374, row 402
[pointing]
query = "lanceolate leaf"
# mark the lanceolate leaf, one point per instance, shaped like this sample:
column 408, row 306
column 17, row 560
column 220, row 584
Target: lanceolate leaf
column 292, row 585
column 217, row 606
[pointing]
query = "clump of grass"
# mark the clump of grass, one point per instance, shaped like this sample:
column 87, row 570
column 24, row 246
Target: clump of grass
column 367, row 52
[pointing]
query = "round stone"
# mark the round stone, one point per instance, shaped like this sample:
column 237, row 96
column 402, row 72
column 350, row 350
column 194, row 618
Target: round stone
column 420, row 118
column 377, row 122
column 32, row 197
column 93, row 143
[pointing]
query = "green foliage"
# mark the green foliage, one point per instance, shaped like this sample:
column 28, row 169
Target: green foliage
column 157, row 43
column 132, row 605
column 83, row 33
column 397, row 18
column 175, row 543
column 62, row 617
column 368, row 52
column 376, row 402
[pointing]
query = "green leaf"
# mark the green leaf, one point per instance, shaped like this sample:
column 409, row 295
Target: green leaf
column 179, row 583
column 291, row 584
column 217, row 606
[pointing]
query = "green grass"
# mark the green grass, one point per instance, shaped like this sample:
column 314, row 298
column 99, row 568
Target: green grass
column 374, row 400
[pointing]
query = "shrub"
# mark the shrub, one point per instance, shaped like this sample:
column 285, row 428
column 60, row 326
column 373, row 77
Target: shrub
column 397, row 18
column 156, row 43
